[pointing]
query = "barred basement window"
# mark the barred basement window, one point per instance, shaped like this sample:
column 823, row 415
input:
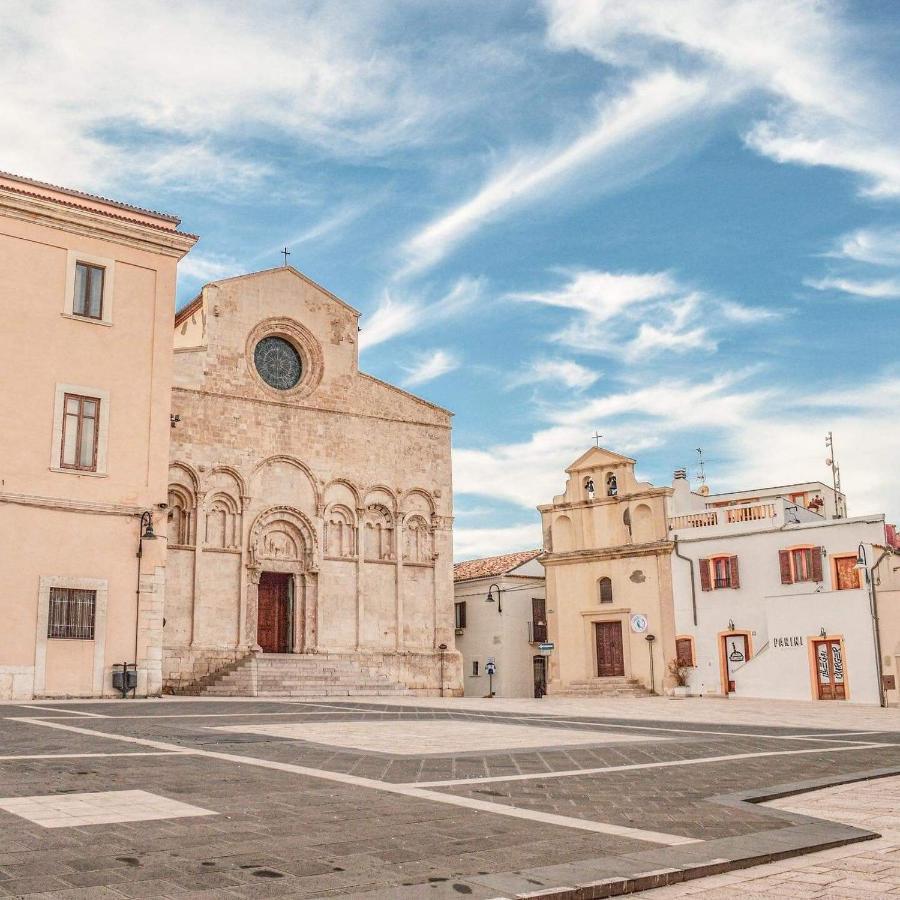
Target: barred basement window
column 72, row 613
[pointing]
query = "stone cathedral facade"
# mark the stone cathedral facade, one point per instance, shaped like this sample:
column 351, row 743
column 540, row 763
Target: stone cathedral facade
column 309, row 505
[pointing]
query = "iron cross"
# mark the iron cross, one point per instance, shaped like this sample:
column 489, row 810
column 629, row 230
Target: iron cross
column 285, row 253
column 597, row 437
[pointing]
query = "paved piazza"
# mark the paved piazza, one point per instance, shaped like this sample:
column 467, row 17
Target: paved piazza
column 428, row 798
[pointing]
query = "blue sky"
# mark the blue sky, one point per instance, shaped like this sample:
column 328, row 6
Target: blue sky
column 676, row 223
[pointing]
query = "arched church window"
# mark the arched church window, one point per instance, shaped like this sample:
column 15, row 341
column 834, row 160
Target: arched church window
column 340, row 533
column 417, row 540
column 604, row 590
column 379, row 534
column 180, row 518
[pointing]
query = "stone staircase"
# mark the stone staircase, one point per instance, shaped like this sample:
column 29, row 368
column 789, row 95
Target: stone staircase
column 602, row 687
column 302, row 675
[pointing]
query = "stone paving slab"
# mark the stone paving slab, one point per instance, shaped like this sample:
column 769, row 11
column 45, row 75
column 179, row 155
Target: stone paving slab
column 286, row 832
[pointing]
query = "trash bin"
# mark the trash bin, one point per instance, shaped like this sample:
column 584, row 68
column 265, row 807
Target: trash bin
column 124, row 677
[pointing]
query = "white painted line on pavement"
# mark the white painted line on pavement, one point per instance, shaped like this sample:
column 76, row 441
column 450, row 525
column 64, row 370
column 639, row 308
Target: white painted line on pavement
column 74, row 712
column 655, row 837
column 88, row 755
column 568, row 773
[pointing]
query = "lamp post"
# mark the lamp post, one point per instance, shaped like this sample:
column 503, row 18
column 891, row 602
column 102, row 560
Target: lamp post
column 145, row 533
column 650, row 639
column 490, row 596
column 862, row 564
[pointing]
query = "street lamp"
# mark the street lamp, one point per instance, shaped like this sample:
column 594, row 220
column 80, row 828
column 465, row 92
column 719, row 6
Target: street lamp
column 490, row 597
column 145, row 533
column 862, row 562
column 650, row 639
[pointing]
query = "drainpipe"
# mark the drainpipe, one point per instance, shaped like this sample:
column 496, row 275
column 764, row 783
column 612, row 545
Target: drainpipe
column 882, row 699
column 693, row 583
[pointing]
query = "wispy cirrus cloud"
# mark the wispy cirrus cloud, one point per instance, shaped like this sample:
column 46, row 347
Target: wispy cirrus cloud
column 876, row 246
column 397, row 313
column 647, row 105
column 563, row 373
column 632, row 315
column 830, row 111
column 430, row 365
column 878, row 289
column 217, row 80
column 205, row 267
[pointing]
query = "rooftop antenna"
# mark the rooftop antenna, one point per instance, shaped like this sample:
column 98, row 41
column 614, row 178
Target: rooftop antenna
column 701, row 470
column 285, row 253
column 831, row 462
column 597, row 437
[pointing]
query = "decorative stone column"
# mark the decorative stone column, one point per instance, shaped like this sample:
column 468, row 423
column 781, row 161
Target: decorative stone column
column 254, row 572
column 360, row 561
column 199, row 541
column 243, row 636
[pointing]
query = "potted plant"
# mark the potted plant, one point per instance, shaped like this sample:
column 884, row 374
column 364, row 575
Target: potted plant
column 680, row 673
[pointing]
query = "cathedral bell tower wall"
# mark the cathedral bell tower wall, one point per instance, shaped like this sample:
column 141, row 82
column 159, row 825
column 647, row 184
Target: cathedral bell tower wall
column 310, row 504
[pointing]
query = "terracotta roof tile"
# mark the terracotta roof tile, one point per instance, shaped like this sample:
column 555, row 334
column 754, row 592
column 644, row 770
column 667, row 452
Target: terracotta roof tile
column 492, row 566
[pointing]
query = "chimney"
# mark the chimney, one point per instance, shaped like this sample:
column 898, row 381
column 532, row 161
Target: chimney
column 680, row 473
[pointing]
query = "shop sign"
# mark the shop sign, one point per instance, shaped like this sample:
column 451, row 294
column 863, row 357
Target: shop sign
column 794, row 640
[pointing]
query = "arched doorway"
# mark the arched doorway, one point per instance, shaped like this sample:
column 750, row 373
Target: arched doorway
column 283, row 580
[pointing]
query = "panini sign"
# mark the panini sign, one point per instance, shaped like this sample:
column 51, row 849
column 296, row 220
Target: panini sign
column 790, row 641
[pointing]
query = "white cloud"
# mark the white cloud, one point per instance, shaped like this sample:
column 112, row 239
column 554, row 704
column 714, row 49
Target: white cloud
column 881, row 289
column 394, row 317
column 429, row 366
column 208, row 267
column 647, row 105
column 112, row 91
column 877, row 246
column 473, row 543
column 746, row 425
column 560, row 372
column 633, row 315
column 830, row 111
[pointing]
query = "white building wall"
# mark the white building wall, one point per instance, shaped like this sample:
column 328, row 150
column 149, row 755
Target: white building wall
column 504, row 636
column 766, row 608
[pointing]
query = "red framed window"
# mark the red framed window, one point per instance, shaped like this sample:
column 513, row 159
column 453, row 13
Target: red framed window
column 719, row 572
column 800, row 564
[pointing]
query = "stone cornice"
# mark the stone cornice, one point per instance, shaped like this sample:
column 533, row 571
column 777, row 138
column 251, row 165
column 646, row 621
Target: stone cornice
column 310, row 407
column 601, row 501
column 80, row 220
column 67, row 505
column 625, row 551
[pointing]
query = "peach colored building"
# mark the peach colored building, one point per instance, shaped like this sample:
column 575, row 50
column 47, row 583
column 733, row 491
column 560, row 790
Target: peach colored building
column 86, row 363
column 610, row 611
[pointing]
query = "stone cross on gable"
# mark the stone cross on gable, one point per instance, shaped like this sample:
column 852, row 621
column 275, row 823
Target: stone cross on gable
column 597, row 437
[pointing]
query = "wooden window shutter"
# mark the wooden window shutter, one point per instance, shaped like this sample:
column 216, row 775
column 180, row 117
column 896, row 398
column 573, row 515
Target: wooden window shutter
column 705, row 581
column 816, row 568
column 684, row 652
column 733, row 566
column 784, row 559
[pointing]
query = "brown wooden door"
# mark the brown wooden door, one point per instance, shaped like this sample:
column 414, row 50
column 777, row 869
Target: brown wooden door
column 830, row 670
column 273, row 619
column 610, row 654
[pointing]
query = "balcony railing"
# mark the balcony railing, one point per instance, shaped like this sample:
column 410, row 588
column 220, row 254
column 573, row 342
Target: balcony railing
column 693, row 520
column 749, row 513
column 726, row 515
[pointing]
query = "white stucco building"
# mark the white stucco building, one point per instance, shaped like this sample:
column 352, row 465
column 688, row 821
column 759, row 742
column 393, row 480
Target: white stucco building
column 768, row 599
column 507, row 629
